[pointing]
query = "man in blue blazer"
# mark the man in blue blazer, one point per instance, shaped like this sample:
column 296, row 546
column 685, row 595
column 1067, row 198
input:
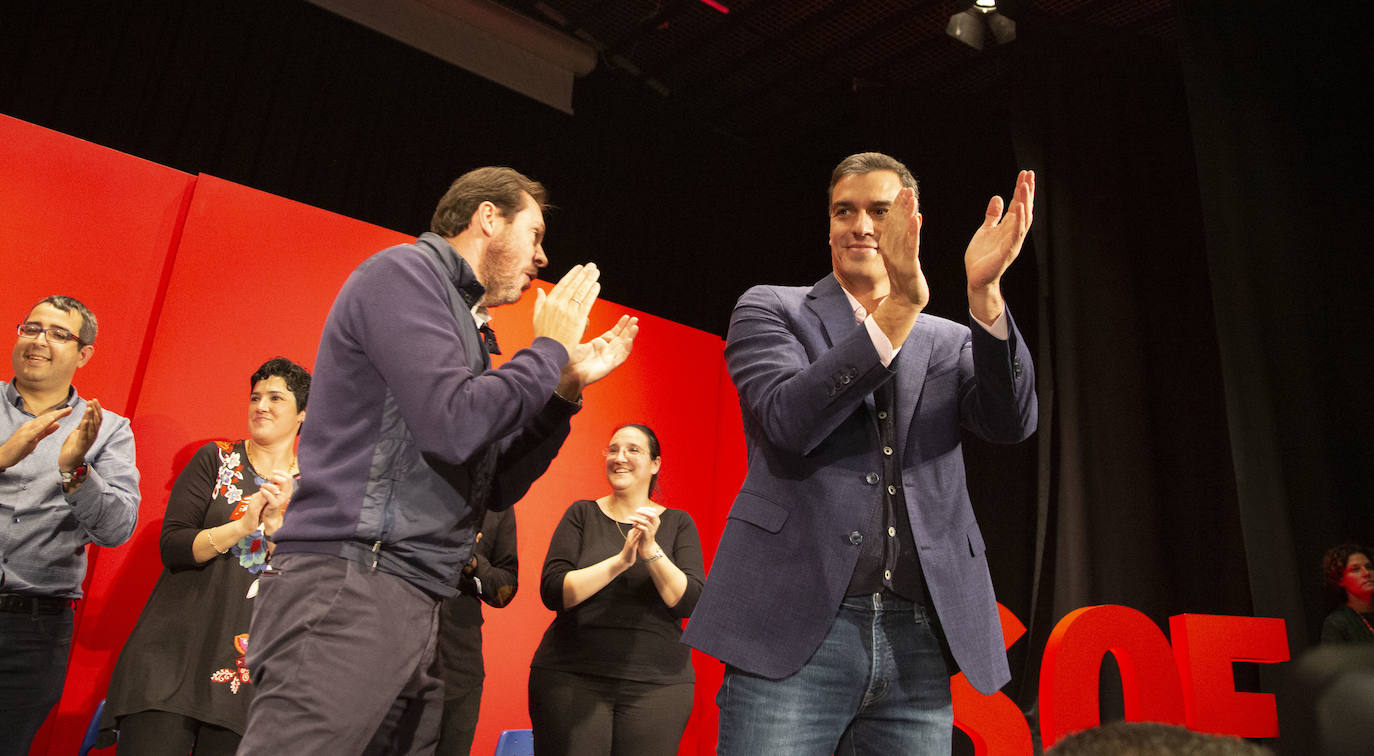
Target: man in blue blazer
column 851, row 572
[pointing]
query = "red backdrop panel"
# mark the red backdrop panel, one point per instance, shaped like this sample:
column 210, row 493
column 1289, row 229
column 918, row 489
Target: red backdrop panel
column 86, row 221
column 241, row 276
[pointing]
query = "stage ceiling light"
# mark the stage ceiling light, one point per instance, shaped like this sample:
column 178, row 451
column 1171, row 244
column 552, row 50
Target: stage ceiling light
column 981, row 17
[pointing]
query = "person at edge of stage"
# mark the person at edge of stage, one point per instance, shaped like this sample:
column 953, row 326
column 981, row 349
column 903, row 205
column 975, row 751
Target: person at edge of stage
column 68, row 477
column 1346, row 569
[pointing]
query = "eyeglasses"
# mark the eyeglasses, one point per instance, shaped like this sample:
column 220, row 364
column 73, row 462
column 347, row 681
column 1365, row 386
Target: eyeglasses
column 630, row 451
column 55, row 335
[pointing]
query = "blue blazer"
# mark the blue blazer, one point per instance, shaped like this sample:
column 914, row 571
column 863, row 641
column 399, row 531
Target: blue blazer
column 806, row 373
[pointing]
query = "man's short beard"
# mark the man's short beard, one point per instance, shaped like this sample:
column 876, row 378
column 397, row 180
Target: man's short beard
column 493, row 262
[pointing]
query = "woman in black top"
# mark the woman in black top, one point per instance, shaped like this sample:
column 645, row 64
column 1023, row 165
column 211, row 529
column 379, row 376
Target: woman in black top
column 1347, row 567
column 611, row 675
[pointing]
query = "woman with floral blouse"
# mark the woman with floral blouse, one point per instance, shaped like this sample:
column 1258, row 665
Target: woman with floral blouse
column 180, row 685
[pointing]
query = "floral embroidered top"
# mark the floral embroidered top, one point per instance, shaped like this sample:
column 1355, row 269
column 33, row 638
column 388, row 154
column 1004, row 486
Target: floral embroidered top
column 186, row 654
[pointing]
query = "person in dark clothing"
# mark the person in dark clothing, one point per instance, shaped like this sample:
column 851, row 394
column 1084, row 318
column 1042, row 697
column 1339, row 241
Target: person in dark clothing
column 414, row 436
column 1346, row 569
column 491, row 577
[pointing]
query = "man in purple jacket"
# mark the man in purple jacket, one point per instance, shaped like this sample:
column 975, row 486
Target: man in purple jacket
column 851, row 563
column 412, row 437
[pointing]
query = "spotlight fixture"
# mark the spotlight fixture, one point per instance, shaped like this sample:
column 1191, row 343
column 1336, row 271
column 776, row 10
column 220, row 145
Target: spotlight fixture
column 972, row 25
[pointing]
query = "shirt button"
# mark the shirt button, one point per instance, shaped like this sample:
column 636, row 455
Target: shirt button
column 887, row 450
column 892, row 490
column 856, row 538
column 891, row 532
column 871, row 479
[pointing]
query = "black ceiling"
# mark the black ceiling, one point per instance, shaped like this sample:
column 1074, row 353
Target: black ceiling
column 771, row 65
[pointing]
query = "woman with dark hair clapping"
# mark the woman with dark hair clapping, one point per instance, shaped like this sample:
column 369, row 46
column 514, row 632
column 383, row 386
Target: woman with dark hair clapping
column 611, row 675
column 180, row 685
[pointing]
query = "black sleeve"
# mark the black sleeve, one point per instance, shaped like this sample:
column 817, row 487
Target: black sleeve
column 497, row 561
column 687, row 556
column 564, row 549
column 185, row 516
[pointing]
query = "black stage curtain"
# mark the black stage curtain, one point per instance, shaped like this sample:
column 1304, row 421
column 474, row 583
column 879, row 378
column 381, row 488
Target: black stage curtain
column 1195, row 287
column 1277, row 95
column 1137, row 502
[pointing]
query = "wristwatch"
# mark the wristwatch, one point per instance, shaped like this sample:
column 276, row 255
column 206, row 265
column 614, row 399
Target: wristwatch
column 79, row 474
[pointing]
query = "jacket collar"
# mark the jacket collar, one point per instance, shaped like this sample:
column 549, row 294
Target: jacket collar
column 456, row 268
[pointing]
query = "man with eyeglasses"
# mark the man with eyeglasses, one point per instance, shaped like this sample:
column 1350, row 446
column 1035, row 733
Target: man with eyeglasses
column 67, row 478
column 412, row 436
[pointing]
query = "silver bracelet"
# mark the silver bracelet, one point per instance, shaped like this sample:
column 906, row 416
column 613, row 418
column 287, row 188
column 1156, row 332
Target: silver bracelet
column 659, row 555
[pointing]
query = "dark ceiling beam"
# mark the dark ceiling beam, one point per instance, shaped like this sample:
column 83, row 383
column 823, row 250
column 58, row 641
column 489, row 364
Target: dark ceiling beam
column 771, row 43
column 805, row 108
column 889, row 23
column 651, row 23
column 971, row 67
column 585, row 19
column 1090, row 8
column 702, row 42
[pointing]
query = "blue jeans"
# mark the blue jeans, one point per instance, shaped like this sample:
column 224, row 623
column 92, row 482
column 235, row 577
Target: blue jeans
column 878, row 684
column 33, row 667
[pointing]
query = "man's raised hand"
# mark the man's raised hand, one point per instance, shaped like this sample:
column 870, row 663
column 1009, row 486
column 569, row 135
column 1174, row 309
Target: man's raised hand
column 562, row 313
column 594, row 360
column 995, row 245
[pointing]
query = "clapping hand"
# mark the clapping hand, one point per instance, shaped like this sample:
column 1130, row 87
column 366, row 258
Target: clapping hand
column 561, row 314
column 276, row 491
column 630, row 549
column 645, row 520
column 22, row 442
column 995, row 245
column 900, row 246
column 594, row 360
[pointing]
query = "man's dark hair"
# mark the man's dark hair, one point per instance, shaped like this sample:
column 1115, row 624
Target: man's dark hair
column 1152, row 739
column 1335, row 559
column 296, row 377
column 868, row 162
column 504, row 187
column 71, row 304
column 654, row 450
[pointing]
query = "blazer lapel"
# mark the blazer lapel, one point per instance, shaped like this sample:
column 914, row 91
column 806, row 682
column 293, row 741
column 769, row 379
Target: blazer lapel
column 827, row 300
column 911, row 364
